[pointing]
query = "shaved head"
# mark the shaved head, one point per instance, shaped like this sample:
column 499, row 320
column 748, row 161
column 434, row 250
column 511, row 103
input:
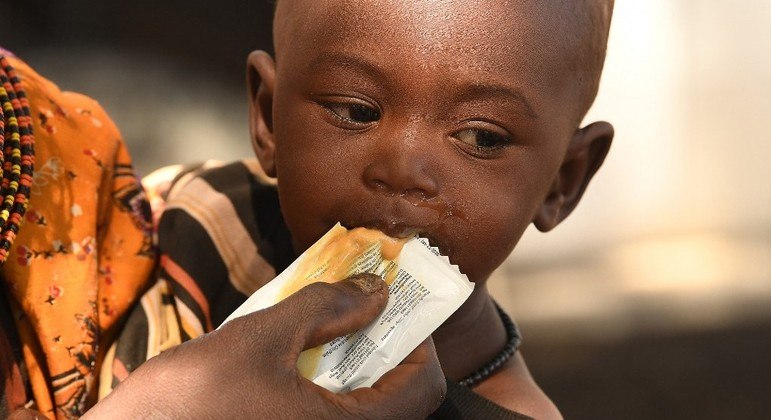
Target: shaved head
column 586, row 23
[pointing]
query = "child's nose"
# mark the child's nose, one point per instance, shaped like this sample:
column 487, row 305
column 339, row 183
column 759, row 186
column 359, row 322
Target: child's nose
column 402, row 170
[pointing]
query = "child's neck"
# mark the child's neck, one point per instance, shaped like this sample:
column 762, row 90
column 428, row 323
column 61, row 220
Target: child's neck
column 471, row 337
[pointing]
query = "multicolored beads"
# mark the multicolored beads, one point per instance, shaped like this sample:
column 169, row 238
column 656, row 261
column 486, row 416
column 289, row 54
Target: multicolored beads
column 17, row 155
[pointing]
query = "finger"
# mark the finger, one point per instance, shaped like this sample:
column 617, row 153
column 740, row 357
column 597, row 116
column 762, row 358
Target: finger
column 414, row 389
column 321, row 312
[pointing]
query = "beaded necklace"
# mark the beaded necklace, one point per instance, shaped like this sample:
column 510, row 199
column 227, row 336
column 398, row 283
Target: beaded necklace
column 17, row 155
column 514, row 339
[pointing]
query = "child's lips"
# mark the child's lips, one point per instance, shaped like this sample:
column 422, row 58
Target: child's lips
column 397, row 229
column 392, row 228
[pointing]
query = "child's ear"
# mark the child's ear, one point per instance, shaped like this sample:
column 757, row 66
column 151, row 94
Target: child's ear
column 585, row 154
column 261, row 81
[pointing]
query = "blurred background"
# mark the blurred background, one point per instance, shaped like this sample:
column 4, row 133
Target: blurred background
column 653, row 300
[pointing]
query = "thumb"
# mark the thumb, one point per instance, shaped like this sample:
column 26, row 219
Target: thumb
column 321, row 312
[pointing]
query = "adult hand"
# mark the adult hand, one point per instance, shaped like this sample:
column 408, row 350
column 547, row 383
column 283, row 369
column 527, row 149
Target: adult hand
column 248, row 367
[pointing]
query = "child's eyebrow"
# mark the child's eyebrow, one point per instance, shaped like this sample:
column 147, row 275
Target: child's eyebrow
column 344, row 60
column 473, row 91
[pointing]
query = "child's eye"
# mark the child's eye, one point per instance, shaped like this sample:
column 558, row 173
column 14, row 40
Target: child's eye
column 482, row 139
column 354, row 113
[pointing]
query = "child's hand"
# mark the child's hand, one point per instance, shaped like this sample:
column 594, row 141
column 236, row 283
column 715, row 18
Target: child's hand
column 248, row 367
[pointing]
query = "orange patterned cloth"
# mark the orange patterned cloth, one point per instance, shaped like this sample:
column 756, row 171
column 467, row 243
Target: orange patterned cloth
column 83, row 255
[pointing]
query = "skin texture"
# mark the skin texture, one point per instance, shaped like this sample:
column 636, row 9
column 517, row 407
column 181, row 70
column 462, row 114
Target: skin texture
column 457, row 120
column 253, row 373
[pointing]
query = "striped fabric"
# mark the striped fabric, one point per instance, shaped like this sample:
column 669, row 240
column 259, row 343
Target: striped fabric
column 221, row 237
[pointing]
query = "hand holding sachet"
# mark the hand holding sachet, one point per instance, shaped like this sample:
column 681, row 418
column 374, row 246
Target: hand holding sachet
column 424, row 290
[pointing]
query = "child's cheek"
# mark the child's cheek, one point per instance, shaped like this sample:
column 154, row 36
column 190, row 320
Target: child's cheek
column 497, row 216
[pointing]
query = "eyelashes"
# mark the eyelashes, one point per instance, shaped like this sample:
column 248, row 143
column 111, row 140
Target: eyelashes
column 354, row 113
column 483, row 139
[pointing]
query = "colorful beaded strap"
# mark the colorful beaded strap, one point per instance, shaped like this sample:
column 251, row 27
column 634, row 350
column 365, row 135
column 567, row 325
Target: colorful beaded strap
column 17, row 155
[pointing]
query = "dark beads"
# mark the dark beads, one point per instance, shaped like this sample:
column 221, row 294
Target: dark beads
column 514, row 339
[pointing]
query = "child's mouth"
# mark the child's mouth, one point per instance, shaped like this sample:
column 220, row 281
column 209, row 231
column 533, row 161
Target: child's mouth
column 391, row 228
column 396, row 229
column 401, row 218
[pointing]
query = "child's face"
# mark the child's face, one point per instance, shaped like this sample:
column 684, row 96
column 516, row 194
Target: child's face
column 431, row 117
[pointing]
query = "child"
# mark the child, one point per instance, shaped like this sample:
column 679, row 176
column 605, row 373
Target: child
column 456, row 120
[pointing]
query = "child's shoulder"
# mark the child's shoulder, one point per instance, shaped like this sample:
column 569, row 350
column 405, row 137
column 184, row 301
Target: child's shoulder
column 163, row 184
column 513, row 388
column 220, row 233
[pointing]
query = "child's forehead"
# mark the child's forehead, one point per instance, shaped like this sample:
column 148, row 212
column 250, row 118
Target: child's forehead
column 431, row 25
column 537, row 43
column 519, row 44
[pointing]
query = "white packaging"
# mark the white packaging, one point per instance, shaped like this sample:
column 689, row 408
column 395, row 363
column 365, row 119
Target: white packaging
column 424, row 290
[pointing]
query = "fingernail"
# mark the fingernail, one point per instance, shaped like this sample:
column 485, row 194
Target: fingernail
column 367, row 282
